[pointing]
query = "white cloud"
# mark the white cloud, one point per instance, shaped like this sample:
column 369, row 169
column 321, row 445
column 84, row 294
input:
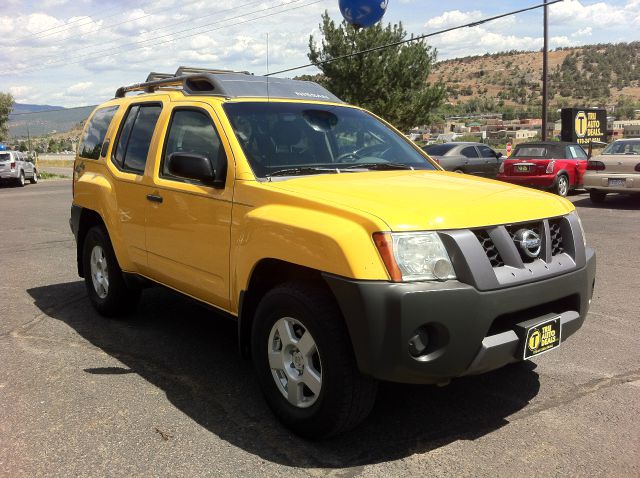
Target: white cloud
column 583, row 32
column 453, row 18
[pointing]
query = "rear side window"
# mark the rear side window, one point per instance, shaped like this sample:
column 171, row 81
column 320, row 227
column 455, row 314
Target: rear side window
column 576, row 152
column 469, row 152
column 439, row 149
column 135, row 136
column 96, row 130
column 192, row 131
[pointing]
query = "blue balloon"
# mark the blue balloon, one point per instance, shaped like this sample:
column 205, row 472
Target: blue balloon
column 363, row 13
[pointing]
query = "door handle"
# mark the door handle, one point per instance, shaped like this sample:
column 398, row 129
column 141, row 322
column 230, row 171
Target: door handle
column 154, row 198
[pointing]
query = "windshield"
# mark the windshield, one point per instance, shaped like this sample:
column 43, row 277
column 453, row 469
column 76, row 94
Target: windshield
column 623, row 147
column 439, row 149
column 282, row 139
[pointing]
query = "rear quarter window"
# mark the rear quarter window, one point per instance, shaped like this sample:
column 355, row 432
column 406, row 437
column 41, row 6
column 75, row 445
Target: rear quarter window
column 96, row 131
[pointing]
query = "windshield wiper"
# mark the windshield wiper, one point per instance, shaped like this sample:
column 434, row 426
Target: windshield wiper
column 302, row 171
column 379, row 166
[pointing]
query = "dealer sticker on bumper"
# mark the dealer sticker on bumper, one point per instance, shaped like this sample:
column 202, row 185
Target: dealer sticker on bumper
column 542, row 338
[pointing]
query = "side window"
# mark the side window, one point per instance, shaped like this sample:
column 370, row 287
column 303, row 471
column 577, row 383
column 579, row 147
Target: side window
column 469, row 152
column 576, row 152
column 91, row 143
column 486, row 152
column 191, row 131
column 134, row 138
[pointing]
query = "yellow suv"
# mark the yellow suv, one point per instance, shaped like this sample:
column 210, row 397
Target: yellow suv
column 345, row 254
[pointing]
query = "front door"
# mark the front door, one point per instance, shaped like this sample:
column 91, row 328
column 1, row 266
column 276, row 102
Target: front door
column 189, row 223
column 490, row 162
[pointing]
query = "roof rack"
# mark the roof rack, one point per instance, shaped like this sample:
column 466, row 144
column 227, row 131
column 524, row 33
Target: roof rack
column 230, row 84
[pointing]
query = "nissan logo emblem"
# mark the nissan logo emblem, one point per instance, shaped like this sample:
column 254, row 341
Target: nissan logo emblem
column 529, row 242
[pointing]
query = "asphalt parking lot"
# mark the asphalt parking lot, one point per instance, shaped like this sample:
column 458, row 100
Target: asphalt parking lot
column 166, row 393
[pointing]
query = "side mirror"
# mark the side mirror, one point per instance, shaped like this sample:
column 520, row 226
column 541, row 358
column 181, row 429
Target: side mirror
column 499, row 155
column 194, row 166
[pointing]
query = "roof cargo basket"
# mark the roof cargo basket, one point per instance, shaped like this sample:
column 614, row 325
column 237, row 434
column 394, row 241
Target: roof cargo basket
column 230, row 84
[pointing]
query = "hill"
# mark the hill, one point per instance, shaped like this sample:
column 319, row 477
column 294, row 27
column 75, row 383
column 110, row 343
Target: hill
column 40, row 120
column 593, row 75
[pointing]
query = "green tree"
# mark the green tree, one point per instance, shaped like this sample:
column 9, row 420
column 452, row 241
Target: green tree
column 391, row 82
column 23, row 146
column 6, row 104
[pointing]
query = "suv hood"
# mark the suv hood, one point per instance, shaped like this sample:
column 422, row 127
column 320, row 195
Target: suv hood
column 428, row 200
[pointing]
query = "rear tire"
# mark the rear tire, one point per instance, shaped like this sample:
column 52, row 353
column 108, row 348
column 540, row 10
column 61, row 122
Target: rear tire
column 562, row 185
column 34, row 179
column 338, row 397
column 103, row 278
column 20, row 181
column 459, row 171
column 597, row 196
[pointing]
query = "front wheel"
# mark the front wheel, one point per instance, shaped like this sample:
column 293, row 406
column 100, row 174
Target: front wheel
column 103, row 278
column 562, row 185
column 34, row 179
column 305, row 363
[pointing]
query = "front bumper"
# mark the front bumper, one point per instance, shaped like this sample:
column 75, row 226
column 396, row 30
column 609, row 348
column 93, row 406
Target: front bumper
column 470, row 331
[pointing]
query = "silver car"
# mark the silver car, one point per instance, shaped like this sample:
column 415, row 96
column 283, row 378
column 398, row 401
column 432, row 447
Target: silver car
column 17, row 167
column 616, row 170
column 471, row 158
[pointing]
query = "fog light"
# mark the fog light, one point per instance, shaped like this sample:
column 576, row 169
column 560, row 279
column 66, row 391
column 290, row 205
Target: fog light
column 418, row 343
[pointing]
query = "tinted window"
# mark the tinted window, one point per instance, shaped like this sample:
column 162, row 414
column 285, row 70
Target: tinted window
column 135, row 138
column 623, row 147
column 439, row 149
column 96, row 130
column 5, row 156
column 469, row 152
column 529, row 152
column 192, row 132
column 277, row 137
column 487, row 152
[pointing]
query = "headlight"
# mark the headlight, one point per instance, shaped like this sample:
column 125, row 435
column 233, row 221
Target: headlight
column 584, row 237
column 414, row 256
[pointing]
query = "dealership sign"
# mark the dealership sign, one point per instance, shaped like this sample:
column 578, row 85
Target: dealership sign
column 584, row 125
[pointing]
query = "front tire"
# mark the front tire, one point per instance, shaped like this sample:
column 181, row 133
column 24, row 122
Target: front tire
column 34, row 179
column 103, row 278
column 562, row 185
column 305, row 364
column 597, row 196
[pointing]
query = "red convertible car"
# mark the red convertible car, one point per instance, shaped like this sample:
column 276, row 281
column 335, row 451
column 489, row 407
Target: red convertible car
column 556, row 166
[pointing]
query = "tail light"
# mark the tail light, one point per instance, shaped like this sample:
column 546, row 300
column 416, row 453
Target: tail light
column 551, row 166
column 637, row 168
column 599, row 166
column 13, row 165
column 501, row 168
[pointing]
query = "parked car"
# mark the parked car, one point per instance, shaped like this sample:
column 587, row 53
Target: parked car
column 470, row 158
column 616, row 170
column 17, row 167
column 342, row 251
column 555, row 166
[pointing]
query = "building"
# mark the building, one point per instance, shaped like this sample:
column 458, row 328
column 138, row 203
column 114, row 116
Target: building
column 632, row 131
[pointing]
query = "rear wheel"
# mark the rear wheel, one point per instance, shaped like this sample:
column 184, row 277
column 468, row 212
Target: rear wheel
column 20, row 180
column 34, row 179
column 459, row 171
column 597, row 196
column 562, row 185
column 103, row 278
column 305, row 363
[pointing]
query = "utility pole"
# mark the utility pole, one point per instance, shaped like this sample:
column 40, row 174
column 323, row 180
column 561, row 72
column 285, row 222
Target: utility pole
column 545, row 73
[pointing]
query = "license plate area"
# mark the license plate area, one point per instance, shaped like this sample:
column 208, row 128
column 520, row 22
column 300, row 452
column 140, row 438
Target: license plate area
column 542, row 337
column 617, row 182
column 522, row 168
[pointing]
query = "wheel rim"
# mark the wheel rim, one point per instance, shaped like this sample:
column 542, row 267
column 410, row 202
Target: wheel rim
column 295, row 362
column 21, row 178
column 99, row 272
column 562, row 186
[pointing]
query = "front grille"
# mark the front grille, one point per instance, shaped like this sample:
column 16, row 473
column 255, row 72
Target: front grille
column 489, row 248
column 556, row 237
column 533, row 226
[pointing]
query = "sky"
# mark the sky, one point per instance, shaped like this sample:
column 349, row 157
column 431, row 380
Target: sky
column 78, row 52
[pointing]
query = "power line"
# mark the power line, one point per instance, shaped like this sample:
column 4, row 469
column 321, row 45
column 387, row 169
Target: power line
column 89, row 57
column 109, row 27
column 412, row 39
